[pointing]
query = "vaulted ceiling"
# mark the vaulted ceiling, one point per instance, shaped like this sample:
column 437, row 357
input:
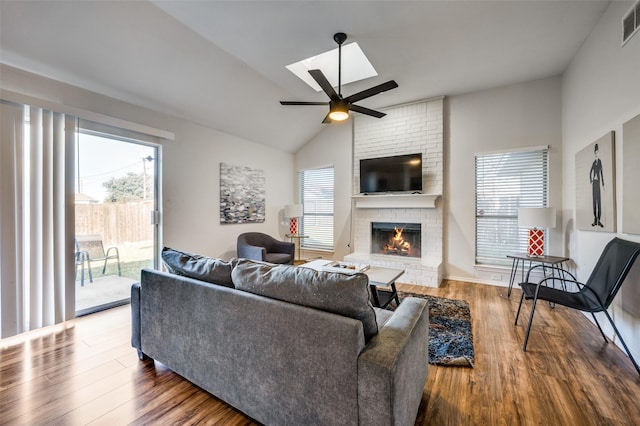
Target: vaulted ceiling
column 221, row 63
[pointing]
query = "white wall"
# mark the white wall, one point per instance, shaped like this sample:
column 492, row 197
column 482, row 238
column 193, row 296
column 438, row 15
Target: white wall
column 600, row 91
column 510, row 117
column 191, row 189
column 332, row 147
column 190, row 167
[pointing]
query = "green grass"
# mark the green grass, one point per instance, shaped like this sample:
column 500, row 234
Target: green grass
column 129, row 269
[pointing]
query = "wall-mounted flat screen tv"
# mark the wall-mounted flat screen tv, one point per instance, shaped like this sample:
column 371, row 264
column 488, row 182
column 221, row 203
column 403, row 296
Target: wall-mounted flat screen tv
column 391, row 174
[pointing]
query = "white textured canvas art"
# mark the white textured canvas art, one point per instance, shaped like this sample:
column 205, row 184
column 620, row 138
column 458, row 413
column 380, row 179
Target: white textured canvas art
column 242, row 194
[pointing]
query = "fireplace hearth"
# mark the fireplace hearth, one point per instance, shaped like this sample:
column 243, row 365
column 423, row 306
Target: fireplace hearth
column 396, row 239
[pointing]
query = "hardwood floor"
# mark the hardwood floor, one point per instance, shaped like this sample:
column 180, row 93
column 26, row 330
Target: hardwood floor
column 85, row 372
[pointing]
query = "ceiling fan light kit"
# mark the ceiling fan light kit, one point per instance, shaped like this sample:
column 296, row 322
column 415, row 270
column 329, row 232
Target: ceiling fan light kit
column 339, row 107
column 339, row 111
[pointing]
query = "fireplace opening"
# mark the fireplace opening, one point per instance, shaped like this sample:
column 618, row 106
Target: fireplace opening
column 396, row 239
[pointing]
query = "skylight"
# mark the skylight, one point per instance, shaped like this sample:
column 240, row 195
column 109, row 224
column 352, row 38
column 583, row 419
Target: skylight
column 355, row 66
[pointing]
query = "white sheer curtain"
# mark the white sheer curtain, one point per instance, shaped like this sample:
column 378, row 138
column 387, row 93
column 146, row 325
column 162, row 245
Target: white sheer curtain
column 36, row 218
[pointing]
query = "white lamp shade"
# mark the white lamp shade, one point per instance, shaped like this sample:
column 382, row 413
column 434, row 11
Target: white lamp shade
column 537, row 217
column 293, row 210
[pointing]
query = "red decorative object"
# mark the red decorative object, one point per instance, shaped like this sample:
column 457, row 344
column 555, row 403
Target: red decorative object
column 536, row 242
column 293, row 226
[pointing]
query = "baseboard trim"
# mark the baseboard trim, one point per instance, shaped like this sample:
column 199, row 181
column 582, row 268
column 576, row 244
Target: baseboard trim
column 475, row 280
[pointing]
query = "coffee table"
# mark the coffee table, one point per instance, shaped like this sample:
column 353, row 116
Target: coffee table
column 382, row 282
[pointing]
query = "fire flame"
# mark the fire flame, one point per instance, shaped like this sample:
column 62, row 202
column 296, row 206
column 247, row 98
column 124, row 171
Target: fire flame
column 397, row 245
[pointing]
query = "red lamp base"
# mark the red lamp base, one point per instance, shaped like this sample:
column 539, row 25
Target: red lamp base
column 536, row 242
column 293, row 226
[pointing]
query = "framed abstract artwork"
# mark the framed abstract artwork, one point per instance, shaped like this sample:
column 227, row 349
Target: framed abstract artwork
column 242, row 194
column 595, row 186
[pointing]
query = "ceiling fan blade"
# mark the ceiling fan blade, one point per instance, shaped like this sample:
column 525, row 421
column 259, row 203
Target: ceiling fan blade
column 322, row 81
column 391, row 84
column 302, row 103
column 367, row 111
column 327, row 119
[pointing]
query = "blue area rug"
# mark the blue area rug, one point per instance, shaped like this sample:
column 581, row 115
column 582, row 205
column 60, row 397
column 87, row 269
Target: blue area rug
column 450, row 336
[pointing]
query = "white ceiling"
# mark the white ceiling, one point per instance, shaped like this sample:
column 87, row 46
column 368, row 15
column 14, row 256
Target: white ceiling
column 222, row 63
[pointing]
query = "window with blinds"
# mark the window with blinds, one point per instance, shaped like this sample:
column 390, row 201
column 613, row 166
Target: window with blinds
column 506, row 181
column 316, row 194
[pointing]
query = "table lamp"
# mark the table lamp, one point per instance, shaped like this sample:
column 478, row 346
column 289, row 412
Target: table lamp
column 536, row 219
column 293, row 212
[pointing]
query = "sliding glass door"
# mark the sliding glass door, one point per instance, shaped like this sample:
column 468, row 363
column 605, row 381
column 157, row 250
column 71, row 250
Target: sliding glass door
column 115, row 217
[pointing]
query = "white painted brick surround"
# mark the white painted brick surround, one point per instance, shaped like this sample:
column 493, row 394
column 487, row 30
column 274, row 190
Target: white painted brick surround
column 406, row 129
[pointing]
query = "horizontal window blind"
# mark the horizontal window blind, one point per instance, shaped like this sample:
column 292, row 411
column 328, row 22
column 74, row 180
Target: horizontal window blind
column 317, row 193
column 505, row 182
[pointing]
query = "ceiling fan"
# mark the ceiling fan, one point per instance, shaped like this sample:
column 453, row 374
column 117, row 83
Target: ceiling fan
column 339, row 107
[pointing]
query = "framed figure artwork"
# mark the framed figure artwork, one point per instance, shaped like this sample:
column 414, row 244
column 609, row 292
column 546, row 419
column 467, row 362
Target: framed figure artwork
column 595, row 186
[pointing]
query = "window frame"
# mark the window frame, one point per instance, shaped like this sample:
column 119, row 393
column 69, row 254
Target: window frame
column 513, row 182
column 318, row 211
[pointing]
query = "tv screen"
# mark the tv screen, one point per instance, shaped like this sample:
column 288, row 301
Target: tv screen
column 390, row 174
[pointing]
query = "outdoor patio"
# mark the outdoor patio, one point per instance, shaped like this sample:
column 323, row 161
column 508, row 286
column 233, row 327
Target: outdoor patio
column 103, row 290
column 111, row 287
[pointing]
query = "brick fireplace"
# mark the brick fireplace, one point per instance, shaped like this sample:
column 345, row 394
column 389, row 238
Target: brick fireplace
column 406, row 129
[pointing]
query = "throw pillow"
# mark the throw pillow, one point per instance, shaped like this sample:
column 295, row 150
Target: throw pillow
column 342, row 294
column 199, row 267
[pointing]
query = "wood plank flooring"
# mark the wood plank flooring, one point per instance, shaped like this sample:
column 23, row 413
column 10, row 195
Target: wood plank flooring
column 85, row 372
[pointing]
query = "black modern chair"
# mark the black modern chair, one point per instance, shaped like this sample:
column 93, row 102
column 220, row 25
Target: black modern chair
column 593, row 296
column 259, row 246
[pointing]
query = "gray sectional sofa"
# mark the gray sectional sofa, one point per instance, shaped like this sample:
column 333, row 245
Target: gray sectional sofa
column 284, row 344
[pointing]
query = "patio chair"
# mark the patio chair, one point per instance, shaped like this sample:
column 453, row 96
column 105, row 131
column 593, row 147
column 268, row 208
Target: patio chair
column 89, row 248
column 80, row 260
column 593, row 296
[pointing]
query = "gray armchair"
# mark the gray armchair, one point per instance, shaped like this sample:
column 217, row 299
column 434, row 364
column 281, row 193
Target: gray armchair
column 259, row 246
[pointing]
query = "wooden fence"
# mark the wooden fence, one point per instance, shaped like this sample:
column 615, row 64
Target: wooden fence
column 117, row 223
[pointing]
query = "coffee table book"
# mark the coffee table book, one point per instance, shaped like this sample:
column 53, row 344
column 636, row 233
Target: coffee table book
column 345, row 267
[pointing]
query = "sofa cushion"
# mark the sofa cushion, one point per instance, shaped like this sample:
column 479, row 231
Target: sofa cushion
column 382, row 316
column 342, row 294
column 199, row 267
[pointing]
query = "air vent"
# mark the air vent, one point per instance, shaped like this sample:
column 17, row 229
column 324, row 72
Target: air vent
column 631, row 22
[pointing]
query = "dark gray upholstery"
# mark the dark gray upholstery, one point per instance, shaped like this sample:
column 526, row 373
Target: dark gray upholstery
column 389, row 365
column 199, row 267
column 279, row 362
column 263, row 247
column 342, row 294
column 135, row 316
